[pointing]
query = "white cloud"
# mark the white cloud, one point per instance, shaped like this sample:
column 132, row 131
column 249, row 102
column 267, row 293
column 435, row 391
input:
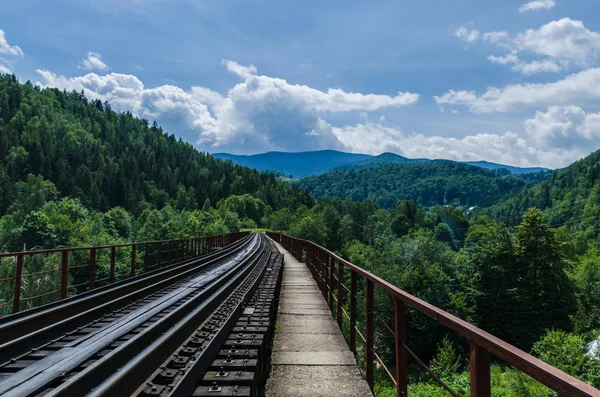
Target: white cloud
column 533, row 67
column 537, row 5
column 264, row 113
column 7, row 49
column 565, row 39
column 260, row 113
column 504, row 60
column 553, row 47
column 93, row 61
column 566, row 127
column 579, row 89
column 242, row 71
column 8, row 54
column 508, row 148
column 467, row 35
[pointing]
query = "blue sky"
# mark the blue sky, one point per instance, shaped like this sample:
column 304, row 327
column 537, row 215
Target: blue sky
column 515, row 82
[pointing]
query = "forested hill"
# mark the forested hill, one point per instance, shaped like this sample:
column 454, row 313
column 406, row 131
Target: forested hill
column 433, row 183
column 571, row 197
column 394, row 159
column 108, row 159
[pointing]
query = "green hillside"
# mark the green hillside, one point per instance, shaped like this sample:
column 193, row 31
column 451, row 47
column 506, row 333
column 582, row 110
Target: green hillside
column 570, row 197
column 433, row 183
column 60, row 152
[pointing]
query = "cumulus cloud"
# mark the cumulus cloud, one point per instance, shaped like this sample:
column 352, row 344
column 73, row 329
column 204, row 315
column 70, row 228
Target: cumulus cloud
column 7, row 49
column 507, row 148
column 8, row 54
column 263, row 113
column 566, row 127
column 566, row 40
column 553, row 47
column 579, row 88
column 537, row 5
column 257, row 114
column 93, row 61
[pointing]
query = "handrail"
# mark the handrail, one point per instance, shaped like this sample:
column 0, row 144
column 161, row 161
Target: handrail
column 322, row 264
column 70, row 270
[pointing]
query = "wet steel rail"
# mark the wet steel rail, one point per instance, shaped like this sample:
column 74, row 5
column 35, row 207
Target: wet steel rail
column 145, row 323
column 332, row 274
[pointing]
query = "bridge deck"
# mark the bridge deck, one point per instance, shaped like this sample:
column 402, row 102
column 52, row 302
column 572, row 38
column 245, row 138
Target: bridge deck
column 310, row 356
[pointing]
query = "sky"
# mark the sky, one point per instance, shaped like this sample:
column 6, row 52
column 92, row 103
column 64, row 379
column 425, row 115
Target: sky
column 514, row 82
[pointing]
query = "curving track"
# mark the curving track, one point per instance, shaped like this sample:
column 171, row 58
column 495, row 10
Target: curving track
column 107, row 342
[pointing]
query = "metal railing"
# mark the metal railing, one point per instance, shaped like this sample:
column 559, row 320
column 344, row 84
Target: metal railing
column 330, row 271
column 43, row 276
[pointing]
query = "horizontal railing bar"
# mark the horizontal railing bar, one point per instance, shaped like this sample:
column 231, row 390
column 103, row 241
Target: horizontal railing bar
column 98, row 247
column 530, row 365
column 39, row 273
column 39, row 296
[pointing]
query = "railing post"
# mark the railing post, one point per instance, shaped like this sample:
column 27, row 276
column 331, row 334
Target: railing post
column 170, row 252
column 158, row 254
column 369, row 335
column 64, row 274
column 400, row 330
column 340, row 293
column 113, row 255
column 480, row 371
column 331, row 280
column 18, row 277
column 323, row 273
column 353, row 311
column 92, row 268
column 133, row 259
column 146, row 258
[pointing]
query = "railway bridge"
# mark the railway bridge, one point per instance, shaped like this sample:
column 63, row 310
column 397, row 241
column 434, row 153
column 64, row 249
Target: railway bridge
column 238, row 314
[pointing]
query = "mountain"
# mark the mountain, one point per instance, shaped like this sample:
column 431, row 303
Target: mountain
column 105, row 159
column 299, row 164
column 513, row 170
column 570, row 197
column 302, row 164
column 437, row 182
column 379, row 160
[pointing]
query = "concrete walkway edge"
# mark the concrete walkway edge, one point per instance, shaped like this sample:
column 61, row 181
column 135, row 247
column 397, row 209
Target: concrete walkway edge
column 310, row 356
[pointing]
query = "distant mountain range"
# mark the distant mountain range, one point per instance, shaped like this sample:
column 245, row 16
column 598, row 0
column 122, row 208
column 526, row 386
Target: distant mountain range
column 302, row 164
column 299, row 164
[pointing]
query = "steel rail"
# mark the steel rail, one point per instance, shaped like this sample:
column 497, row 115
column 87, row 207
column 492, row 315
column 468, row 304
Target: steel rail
column 27, row 332
column 191, row 294
column 145, row 363
column 141, row 355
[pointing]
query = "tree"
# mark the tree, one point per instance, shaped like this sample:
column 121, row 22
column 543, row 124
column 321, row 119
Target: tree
column 543, row 285
column 37, row 231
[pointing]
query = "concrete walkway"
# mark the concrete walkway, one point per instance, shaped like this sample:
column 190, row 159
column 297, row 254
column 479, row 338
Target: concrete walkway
column 310, row 356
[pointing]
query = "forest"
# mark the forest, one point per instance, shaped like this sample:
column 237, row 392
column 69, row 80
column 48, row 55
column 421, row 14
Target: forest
column 433, row 183
column 75, row 173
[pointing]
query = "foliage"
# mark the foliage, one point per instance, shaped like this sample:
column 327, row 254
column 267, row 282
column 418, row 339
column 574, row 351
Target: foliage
column 107, row 159
column 429, row 184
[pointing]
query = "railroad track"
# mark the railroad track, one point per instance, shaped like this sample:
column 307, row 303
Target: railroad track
column 112, row 340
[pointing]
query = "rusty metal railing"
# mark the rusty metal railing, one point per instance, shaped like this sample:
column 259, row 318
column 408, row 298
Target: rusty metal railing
column 330, row 271
column 43, row 276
